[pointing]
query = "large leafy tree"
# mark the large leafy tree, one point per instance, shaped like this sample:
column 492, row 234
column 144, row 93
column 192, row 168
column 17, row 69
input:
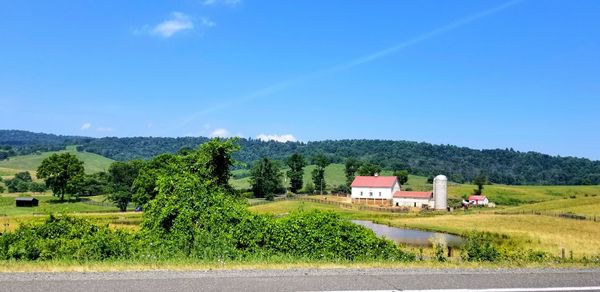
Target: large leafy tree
column 121, row 176
column 91, row 184
column 368, row 169
column 20, row 183
column 59, row 170
column 480, row 180
column 296, row 163
column 144, row 186
column 402, row 176
column 211, row 162
column 265, row 178
column 216, row 158
column 351, row 166
column 318, row 174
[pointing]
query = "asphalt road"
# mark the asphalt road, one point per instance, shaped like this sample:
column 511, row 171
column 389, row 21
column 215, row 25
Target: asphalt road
column 307, row 280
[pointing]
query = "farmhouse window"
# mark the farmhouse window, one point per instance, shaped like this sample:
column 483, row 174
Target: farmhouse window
column 371, row 194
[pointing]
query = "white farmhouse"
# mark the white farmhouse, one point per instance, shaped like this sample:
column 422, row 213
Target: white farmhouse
column 374, row 190
column 385, row 191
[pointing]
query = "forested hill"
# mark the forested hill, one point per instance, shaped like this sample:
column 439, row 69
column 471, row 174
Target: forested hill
column 458, row 163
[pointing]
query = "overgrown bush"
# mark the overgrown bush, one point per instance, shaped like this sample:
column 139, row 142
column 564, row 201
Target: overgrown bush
column 67, row 238
column 192, row 218
column 325, row 235
column 481, row 246
column 490, row 247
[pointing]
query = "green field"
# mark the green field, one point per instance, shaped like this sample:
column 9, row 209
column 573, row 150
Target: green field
column 92, row 162
column 581, row 205
column 47, row 204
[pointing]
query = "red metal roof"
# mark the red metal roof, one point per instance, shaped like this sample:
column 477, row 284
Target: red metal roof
column 415, row 195
column 374, row 181
column 477, row 198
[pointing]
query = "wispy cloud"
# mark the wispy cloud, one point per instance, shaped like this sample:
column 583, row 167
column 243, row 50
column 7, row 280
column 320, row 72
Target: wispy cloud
column 221, row 132
column 279, row 138
column 230, row 3
column 272, row 89
column 177, row 23
column 86, row 126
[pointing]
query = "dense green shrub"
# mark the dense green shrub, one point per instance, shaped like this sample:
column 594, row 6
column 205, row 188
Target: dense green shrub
column 325, row 235
column 67, row 238
column 490, row 247
column 481, row 246
column 192, row 218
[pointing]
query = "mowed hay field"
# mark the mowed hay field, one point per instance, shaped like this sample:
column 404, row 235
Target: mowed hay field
column 92, row 162
column 517, row 195
column 546, row 233
column 587, row 206
column 129, row 220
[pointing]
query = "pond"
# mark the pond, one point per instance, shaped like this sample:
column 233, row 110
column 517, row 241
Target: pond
column 410, row 236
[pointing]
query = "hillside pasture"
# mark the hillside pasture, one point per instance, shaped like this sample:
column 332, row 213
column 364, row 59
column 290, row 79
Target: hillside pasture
column 581, row 205
column 92, row 162
column 519, row 195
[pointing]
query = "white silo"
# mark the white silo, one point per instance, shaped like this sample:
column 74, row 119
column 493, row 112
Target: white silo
column 440, row 192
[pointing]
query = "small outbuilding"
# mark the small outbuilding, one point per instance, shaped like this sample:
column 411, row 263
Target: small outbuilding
column 27, row 202
column 478, row 200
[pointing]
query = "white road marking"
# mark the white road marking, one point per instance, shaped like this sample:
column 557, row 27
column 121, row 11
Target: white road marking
column 548, row 289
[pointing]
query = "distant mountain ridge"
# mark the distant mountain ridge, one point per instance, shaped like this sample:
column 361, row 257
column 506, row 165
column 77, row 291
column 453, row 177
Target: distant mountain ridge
column 460, row 164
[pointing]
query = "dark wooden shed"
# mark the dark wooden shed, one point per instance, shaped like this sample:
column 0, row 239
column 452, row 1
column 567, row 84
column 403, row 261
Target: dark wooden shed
column 27, row 202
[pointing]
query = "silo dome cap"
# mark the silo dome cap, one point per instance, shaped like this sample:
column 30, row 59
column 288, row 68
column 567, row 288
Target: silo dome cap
column 441, row 177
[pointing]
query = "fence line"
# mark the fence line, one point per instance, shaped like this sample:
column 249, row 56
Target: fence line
column 102, row 204
column 354, row 206
column 593, row 218
column 276, row 199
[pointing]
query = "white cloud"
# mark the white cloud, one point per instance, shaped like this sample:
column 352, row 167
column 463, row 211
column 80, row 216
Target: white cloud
column 86, row 126
column 224, row 2
column 177, row 23
column 221, row 132
column 278, row 138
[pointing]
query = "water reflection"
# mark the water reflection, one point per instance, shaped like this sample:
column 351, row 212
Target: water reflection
column 410, row 236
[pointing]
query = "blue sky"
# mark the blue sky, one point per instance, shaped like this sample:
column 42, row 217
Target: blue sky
column 481, row 74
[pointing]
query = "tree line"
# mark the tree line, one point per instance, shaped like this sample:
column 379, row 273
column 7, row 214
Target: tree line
column 460, row 164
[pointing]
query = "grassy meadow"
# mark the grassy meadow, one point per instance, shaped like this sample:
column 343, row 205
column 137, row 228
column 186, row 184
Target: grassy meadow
column 47, row 204
column 92, row 162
